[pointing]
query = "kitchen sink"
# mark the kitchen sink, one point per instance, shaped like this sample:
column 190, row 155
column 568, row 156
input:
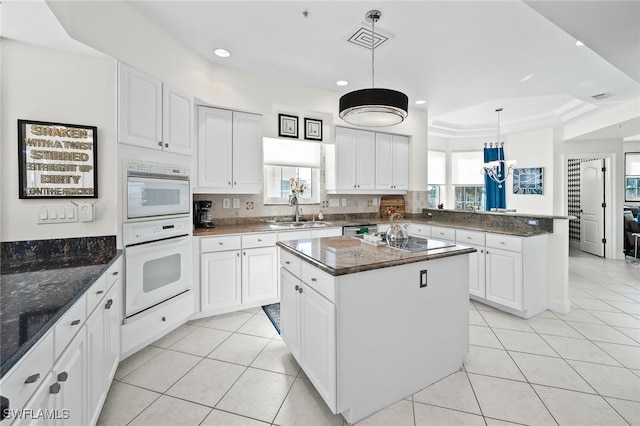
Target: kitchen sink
column 298, row 225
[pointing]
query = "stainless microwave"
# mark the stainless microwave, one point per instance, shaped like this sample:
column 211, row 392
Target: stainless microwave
column 156, row 190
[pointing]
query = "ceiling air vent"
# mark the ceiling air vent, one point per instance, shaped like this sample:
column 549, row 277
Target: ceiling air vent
column 603, row 96
column 363, row 36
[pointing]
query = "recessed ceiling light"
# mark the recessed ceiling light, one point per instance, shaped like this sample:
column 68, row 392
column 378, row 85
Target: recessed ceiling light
column 342, row 82
column 579, row 43
column 223, row 53
column 526, row 78
column 420, row 102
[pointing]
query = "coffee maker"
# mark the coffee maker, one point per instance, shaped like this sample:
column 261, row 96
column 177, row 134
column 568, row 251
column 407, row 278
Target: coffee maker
column 202, row 217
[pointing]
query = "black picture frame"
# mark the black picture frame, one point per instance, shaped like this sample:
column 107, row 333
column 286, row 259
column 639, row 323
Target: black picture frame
column 312, row 129
column 57, row 160
column 288, row 126
column 631, row 178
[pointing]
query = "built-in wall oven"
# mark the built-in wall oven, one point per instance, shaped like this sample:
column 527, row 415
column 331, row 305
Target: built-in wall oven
column 156, row 190
column 157, row 235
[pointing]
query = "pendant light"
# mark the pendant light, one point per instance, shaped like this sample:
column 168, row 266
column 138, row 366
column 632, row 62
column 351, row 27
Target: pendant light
column 374, row 107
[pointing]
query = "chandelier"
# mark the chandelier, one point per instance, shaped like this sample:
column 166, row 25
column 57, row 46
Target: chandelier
column 374, row 107
column 498, row 170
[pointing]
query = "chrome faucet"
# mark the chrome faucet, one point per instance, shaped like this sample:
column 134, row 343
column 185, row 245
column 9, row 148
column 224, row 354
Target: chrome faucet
column 293, row 201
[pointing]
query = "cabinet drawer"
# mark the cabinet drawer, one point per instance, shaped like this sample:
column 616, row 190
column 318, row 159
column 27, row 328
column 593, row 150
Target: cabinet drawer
column 470, row 237
column 96, row 293
column 326, row 232
column 290, row 262
column 419, row 230
column 320, row 281
column 33, row 369
column 70, row 323
column 227, row 242
column 438, row 232
column 259, row 240
column 114, row 272
column 504, row 242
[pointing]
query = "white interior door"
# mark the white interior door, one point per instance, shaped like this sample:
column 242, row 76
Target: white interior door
column 591, row 207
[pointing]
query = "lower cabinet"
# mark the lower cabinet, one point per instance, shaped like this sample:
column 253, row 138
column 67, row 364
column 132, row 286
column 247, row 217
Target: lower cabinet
column 308, row 326
column 240, row 277
column 72, row 389
column 504, row 278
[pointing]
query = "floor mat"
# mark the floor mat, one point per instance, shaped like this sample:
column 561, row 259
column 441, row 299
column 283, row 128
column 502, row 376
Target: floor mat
column 273, row 312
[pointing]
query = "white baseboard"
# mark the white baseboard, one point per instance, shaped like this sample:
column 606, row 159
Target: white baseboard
column 560, row 306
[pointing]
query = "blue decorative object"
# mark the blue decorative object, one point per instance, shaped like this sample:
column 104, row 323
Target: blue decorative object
column 528, row 181
column 495, row 191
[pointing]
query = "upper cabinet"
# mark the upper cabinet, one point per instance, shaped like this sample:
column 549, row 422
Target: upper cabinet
column 151, row 114
column 229, row 152
column 392, row 162
column 367, row 163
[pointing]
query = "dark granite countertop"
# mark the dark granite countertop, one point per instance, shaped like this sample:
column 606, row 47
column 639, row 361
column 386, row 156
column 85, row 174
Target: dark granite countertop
column 38, row 290
column 347, row 255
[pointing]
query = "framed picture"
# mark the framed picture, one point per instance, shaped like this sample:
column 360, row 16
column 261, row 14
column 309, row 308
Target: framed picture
column 57, row 160
column 527, row 181
column 288, row 126
column 312, row 129
column 632, row 176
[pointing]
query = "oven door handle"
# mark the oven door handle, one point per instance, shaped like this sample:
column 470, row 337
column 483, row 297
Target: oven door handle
column 164, row 244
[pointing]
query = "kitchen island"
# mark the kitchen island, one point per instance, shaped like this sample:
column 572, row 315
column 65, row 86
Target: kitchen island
column 372, row 325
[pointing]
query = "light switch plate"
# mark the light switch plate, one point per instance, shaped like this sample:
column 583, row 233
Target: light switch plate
column 236, row 203
column 344, row 202
column 57, row 214
column 226, row 203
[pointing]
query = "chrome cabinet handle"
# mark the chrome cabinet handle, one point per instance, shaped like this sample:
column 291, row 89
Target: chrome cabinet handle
column 160, row 143
column 62, row 377
column 229, row 183
column 220, row 243
column 287, row 262
column 164, row 318
column 33, row 378
column 235, row 183
column 244, row 253
column 54, row 388
column 297, row 287
column 300, row 290
column 259, row 240
column 109, row 303
column 166, row 145
column 313, row 279
column 238, row 254
column 99, row 291
column 115, row 273
column 75, row 322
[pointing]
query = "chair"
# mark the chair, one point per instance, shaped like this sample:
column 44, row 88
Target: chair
column 631, row 226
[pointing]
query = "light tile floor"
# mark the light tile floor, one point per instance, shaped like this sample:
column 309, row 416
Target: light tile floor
column 577, row 369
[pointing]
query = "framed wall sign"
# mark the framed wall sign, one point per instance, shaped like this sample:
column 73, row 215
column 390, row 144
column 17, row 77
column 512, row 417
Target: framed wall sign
column 57, row 160
column 527, row 181
column 288, row 126
column 312, row 129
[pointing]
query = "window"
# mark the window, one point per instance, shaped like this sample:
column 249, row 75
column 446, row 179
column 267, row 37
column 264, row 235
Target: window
column 284, row 160
column 467, row 180
column 632, row 176
column 436, row 177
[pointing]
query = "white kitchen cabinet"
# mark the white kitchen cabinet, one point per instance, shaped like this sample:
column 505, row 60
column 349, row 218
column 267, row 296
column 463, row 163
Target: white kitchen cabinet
column 114, row 308
column 477, row 270
column 354, row 161
column 238, row 272
column 259, row 274
column 42, row 399
column 152, row 115
column 96, row 351
column 229, row 151
column 504, row 278
column 443, row 233
column 392, row 163
column 308, row 326
column 326, row 232
column 220, row 280
column 419, row 230
column 71, row 386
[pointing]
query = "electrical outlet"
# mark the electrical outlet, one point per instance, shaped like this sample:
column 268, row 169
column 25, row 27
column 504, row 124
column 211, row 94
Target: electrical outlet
column 236, row 203
column 225, row 203
column 423, row 278
column 85, row 212
column 375, row 201
column 344, row 202
column 534, row 222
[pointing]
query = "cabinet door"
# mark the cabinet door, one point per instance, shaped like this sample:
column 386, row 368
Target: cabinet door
column 43, row 400
column 477, row 270
column 504, row 278
column 366, row 160
column 290, row 312
column 259, row 274
column 139, row 108
column 384, row 163
column 345, row 159
column 220, row 279
column 71, row 375
column 177, row 115
column 215, row 131
column 400, row 162
column 318, row 343
column 96, row 383
column 113, row 319
column 247, row 152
